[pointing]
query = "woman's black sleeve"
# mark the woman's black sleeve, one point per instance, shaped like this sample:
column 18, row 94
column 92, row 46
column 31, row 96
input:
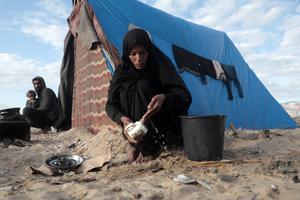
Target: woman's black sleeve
column 113, row 105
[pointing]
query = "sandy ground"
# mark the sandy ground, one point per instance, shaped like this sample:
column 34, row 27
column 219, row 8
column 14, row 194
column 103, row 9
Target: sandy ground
column 255, row 165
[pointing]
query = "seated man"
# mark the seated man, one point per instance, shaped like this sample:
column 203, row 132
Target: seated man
column 43, row 116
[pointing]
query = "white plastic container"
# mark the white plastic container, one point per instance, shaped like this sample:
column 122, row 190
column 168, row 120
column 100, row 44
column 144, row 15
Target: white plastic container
column 136, row 130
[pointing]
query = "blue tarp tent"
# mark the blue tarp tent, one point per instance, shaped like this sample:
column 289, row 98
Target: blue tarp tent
column 256, row 110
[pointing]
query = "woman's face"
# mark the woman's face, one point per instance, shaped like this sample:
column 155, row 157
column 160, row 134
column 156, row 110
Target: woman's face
column 138, row 56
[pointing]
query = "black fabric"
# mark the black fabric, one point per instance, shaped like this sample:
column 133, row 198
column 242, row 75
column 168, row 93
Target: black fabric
column 65, row 91
column 194, row 64
column 200, row 66
column 131, row 90
column 16, row 128
column 32, row 103
column 49, row 103
column 231, row 75
column 37, row 118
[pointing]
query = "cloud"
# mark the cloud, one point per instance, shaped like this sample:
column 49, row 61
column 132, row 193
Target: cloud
column 290, row 42
column 44, row 23
column 172, row 6
column 55, row 8
column 17, row 72
column 52, row 34
column 290, row 21
column 178, row 7
column 212, row 13
column 278, row 72
column 255, row 14
column 298, row 9
column 248, row 39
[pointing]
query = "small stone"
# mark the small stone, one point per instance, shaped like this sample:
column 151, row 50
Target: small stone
column 116, row 189
column 228, row 178
column 296, row 179
column 274, row 188
column 188, row 169
column 69, row 174
column 137, row 195
column 72, row 145
column 157, row 196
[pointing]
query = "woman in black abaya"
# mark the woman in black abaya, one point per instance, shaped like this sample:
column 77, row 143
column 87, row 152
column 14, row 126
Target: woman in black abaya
column 146, row 81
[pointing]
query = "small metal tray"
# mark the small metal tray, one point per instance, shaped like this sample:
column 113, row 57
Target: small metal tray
column 63, row 163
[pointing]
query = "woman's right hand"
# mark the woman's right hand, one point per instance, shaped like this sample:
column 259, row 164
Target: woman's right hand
column 126, row 121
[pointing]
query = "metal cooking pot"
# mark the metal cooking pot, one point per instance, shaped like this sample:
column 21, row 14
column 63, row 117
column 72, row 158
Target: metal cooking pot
column 63, row 163
column 9, row 114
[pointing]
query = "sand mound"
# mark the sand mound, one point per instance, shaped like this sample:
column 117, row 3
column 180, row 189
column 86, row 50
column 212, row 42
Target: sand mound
column 90, row 145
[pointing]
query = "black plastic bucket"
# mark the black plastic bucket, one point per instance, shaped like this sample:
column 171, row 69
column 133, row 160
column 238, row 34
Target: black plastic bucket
column 203, row 137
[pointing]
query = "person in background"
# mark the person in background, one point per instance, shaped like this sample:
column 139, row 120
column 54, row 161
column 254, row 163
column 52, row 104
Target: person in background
column 146, row 86
column 48, row 110
column 32, row 101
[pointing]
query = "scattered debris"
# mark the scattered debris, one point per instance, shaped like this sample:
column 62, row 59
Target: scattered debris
column 204, row 184
column 6, row 142
column 265, row 134
column 224, row 162
column 116, row 189
column 184, row 179
column 275, row 188
column 234, row 132
column 228, row 178
column 64, row 180
column 281, row 166
column 296, row 179
column 157, row 169
column 74, row 144
column 69, row 174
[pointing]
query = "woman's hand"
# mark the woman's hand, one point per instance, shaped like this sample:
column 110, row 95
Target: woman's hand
column 156, row 102
column 126, row 121
column 130, row 139
column 153, row 107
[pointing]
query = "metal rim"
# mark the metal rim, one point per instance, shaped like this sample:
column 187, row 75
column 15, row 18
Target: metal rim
column 202, row 116
column 64, row 162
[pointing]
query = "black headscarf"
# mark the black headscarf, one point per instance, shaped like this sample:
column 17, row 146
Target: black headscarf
column 126, row 69
column 135, row 37
column 159, row 71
